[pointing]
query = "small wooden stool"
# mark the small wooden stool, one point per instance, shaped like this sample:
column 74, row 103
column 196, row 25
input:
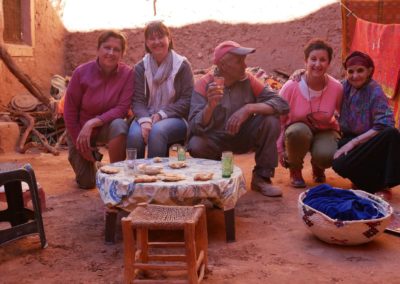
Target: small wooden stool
column 192, row 220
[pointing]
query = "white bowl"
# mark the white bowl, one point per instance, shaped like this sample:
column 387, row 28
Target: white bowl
column 345, row 232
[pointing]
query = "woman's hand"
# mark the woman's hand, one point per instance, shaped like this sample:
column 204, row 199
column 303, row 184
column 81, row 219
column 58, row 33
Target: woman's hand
column 155, row 118
column 346, row 148
column 83, row 140
column 145, row 127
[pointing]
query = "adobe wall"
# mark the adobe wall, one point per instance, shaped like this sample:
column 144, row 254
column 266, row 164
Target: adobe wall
column 278, row 45
column 48, row 54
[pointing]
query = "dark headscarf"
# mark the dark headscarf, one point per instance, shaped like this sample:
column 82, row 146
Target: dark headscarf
column 359, row 58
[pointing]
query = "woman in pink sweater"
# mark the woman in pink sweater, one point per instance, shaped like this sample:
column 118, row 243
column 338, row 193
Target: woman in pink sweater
column 97, row 101
column 311, row 125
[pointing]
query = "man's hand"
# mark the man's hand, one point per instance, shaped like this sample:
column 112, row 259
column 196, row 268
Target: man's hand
column 146, row 127
column 214, row 95
column 155, row 118
column 236, row 120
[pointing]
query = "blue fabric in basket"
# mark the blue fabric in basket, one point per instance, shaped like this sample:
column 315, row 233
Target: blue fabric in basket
column 341, row 204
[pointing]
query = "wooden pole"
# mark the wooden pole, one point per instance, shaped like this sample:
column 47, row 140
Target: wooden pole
column 23, row 78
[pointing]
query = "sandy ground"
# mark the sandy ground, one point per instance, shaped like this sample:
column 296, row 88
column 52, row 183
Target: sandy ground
column 273, row 246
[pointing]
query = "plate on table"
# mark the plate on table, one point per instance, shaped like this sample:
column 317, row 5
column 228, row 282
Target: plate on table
column 149, row 169
column 145, row 179
column 204, row 176
column 171, row 177
column 109, row 170
column 177, row 164
column 159, row 159
column 153, row 169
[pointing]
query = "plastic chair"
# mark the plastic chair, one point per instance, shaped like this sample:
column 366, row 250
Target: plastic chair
column 23, row 220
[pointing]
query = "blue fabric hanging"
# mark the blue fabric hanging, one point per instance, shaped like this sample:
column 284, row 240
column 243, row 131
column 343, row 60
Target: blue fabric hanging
column 341, row 204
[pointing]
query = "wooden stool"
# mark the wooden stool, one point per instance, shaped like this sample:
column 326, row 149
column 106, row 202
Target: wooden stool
column 191, row 220
column 23, row 220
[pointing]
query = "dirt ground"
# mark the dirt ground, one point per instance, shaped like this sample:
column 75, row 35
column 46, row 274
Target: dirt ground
column 272, row 246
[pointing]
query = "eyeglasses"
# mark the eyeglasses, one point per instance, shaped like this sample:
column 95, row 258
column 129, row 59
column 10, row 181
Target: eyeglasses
column 317, row 119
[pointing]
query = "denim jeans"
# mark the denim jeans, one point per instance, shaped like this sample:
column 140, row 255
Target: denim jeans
column 163, row 133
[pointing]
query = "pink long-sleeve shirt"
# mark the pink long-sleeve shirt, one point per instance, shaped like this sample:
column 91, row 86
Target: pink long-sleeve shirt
column 91, row 93
column 329, row 102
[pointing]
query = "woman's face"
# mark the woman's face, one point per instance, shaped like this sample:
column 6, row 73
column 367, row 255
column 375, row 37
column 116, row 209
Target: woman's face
column 110, row 53
column 357, row 75
column 317, row 63
column 158, row 45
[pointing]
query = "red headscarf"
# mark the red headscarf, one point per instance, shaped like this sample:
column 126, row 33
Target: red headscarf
column 359, row 58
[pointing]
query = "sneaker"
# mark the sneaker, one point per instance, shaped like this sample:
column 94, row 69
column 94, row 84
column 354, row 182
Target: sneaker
column 264, row 186
column 318, row 174
column 296, row 179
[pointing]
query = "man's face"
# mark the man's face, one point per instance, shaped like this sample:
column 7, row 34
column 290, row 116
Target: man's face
column 234, row 66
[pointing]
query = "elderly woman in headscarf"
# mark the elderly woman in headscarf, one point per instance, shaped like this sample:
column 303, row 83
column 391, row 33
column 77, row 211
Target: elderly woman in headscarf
column 163, row 89
column 369, row 150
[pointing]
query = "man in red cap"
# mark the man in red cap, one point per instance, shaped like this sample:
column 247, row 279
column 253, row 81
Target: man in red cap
column 239, row 116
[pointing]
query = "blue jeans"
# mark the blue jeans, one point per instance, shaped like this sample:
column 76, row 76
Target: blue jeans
column 163, row 133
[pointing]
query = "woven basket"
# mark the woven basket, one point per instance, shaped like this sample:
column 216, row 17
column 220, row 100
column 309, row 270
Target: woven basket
column 345, row 232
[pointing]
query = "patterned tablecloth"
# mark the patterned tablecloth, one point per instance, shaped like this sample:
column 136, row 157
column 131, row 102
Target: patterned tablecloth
column 121, row 191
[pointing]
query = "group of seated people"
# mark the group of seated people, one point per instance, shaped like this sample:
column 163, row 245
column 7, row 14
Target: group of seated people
column 360, row 143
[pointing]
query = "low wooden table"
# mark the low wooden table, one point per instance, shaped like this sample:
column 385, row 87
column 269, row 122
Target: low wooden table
column 119, row 191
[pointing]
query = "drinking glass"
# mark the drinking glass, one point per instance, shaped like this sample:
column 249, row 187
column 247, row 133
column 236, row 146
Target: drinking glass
column 227, row 164
column 131, row 154
column 220, row 83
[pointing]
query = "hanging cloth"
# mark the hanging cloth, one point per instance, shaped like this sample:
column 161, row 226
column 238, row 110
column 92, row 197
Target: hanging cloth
column 381, row 42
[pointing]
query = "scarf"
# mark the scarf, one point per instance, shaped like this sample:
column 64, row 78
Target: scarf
column 160, row 80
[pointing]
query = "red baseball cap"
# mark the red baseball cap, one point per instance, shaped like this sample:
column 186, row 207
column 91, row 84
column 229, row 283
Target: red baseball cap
column 232, row 47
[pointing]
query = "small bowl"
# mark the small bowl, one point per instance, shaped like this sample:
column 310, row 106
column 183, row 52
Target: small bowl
column 345, row 232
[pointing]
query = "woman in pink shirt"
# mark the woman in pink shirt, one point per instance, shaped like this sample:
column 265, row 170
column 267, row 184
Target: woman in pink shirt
column 311, row 125
column 97, row 100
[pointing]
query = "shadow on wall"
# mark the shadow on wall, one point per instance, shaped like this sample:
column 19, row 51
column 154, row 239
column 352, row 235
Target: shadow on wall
column 279, row 46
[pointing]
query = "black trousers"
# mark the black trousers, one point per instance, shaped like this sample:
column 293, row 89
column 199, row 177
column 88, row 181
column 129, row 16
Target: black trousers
column 373, row 165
